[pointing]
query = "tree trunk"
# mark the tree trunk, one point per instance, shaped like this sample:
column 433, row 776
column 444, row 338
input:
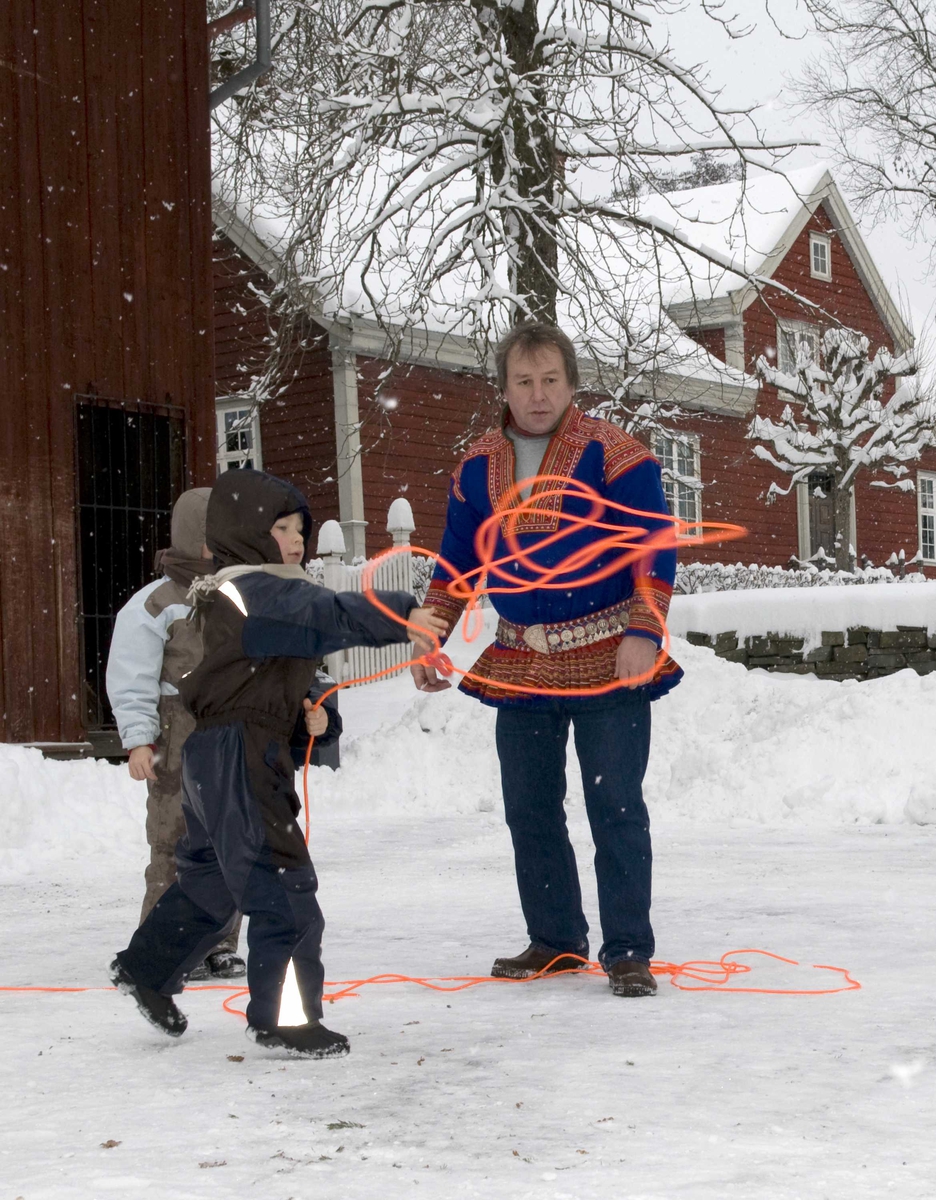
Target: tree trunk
column 524, row 160
column 841, row 507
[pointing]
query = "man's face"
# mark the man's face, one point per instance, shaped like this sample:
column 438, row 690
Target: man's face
column 287, row 533
column 537, row 390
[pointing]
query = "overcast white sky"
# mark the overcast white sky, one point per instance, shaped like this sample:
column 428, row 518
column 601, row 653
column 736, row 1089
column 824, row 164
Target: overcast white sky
column 754, row 70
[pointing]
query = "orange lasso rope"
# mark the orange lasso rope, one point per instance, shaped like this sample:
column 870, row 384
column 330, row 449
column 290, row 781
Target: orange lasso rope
column 632, row 545
column 706, row 976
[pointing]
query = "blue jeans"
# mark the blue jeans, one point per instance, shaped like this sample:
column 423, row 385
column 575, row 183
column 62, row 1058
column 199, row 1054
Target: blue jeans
column 612, row 741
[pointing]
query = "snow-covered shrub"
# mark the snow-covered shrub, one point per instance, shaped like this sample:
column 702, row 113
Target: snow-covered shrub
column 692, row 578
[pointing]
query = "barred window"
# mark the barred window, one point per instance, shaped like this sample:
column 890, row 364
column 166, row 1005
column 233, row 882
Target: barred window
column 680, row 460
column 926, row 510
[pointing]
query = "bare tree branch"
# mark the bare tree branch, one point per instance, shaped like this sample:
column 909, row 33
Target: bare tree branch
column 875, row 88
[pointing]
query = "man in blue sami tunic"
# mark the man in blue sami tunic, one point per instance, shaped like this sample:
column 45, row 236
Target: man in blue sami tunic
column 575, row 638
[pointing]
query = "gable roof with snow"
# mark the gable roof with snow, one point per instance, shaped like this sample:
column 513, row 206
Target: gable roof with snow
column 690, row 376
column 754, row 223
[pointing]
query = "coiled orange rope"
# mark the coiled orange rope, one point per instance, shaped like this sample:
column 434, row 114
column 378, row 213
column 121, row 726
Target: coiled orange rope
column 635, row 546
column 627, row 544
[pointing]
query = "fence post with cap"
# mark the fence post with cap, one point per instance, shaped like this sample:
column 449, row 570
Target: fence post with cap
column 400, row 525
column 330, row 548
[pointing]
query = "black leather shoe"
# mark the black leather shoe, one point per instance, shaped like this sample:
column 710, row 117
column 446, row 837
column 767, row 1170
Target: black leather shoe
column 532, row 961
column 629, row 978
column 306, row 1041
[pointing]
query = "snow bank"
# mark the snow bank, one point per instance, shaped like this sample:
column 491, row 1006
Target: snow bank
column 738, row 745
column 53, row 810
column 805, row 612
column 730, row 745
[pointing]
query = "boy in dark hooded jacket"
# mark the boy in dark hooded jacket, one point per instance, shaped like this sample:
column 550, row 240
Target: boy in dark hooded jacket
column 265, row 624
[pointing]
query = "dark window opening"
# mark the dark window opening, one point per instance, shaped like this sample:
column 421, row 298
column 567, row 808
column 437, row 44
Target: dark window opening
column 130, row 471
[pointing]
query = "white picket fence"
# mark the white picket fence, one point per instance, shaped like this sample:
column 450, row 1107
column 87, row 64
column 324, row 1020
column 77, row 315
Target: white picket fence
column 395, row 574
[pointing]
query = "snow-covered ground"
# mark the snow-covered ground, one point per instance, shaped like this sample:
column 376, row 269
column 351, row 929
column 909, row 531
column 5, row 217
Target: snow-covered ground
column 785, row 814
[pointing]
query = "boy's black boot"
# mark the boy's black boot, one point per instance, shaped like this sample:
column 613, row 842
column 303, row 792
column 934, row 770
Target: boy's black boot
column 158, row 1009
column 307, row 1041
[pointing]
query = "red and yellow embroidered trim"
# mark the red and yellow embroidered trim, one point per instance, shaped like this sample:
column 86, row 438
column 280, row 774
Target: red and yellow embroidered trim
column 563, row 454
column 621, row 451
column 456, row 482
column 447, row 606
column 641, row 614
column 561, row 458
column 588, row 667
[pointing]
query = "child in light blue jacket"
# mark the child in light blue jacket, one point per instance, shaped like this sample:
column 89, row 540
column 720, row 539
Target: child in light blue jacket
column 153, row 647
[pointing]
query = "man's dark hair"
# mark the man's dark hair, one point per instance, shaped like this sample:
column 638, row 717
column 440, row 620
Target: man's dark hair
column 530, row 338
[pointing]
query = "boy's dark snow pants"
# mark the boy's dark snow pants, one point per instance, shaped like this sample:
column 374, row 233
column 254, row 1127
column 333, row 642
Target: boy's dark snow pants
column 242, row 851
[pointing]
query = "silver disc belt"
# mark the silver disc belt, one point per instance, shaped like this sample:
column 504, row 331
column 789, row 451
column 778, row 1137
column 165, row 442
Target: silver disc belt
column 565, row 635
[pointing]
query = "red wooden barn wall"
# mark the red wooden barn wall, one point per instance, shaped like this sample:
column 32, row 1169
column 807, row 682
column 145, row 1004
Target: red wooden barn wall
column 105, row 231
column 297, row 426
column 712, row 339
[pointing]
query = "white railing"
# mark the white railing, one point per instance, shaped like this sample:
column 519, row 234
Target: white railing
column 395, row 574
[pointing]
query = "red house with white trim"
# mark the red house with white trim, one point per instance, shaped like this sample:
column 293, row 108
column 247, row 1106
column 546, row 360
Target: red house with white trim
column 354, row 432
column 796, row 231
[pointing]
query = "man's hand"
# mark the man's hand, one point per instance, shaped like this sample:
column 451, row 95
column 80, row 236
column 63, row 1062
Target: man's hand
column 141, row 763
column 429, row 619
column 316, row 719
column 427, row 678
column 635, row 659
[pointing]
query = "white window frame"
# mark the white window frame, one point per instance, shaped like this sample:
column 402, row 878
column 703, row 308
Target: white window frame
column 926, row 511
column 823, row 241
column 800, row 331
column 683, row 491
column 251, row 426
